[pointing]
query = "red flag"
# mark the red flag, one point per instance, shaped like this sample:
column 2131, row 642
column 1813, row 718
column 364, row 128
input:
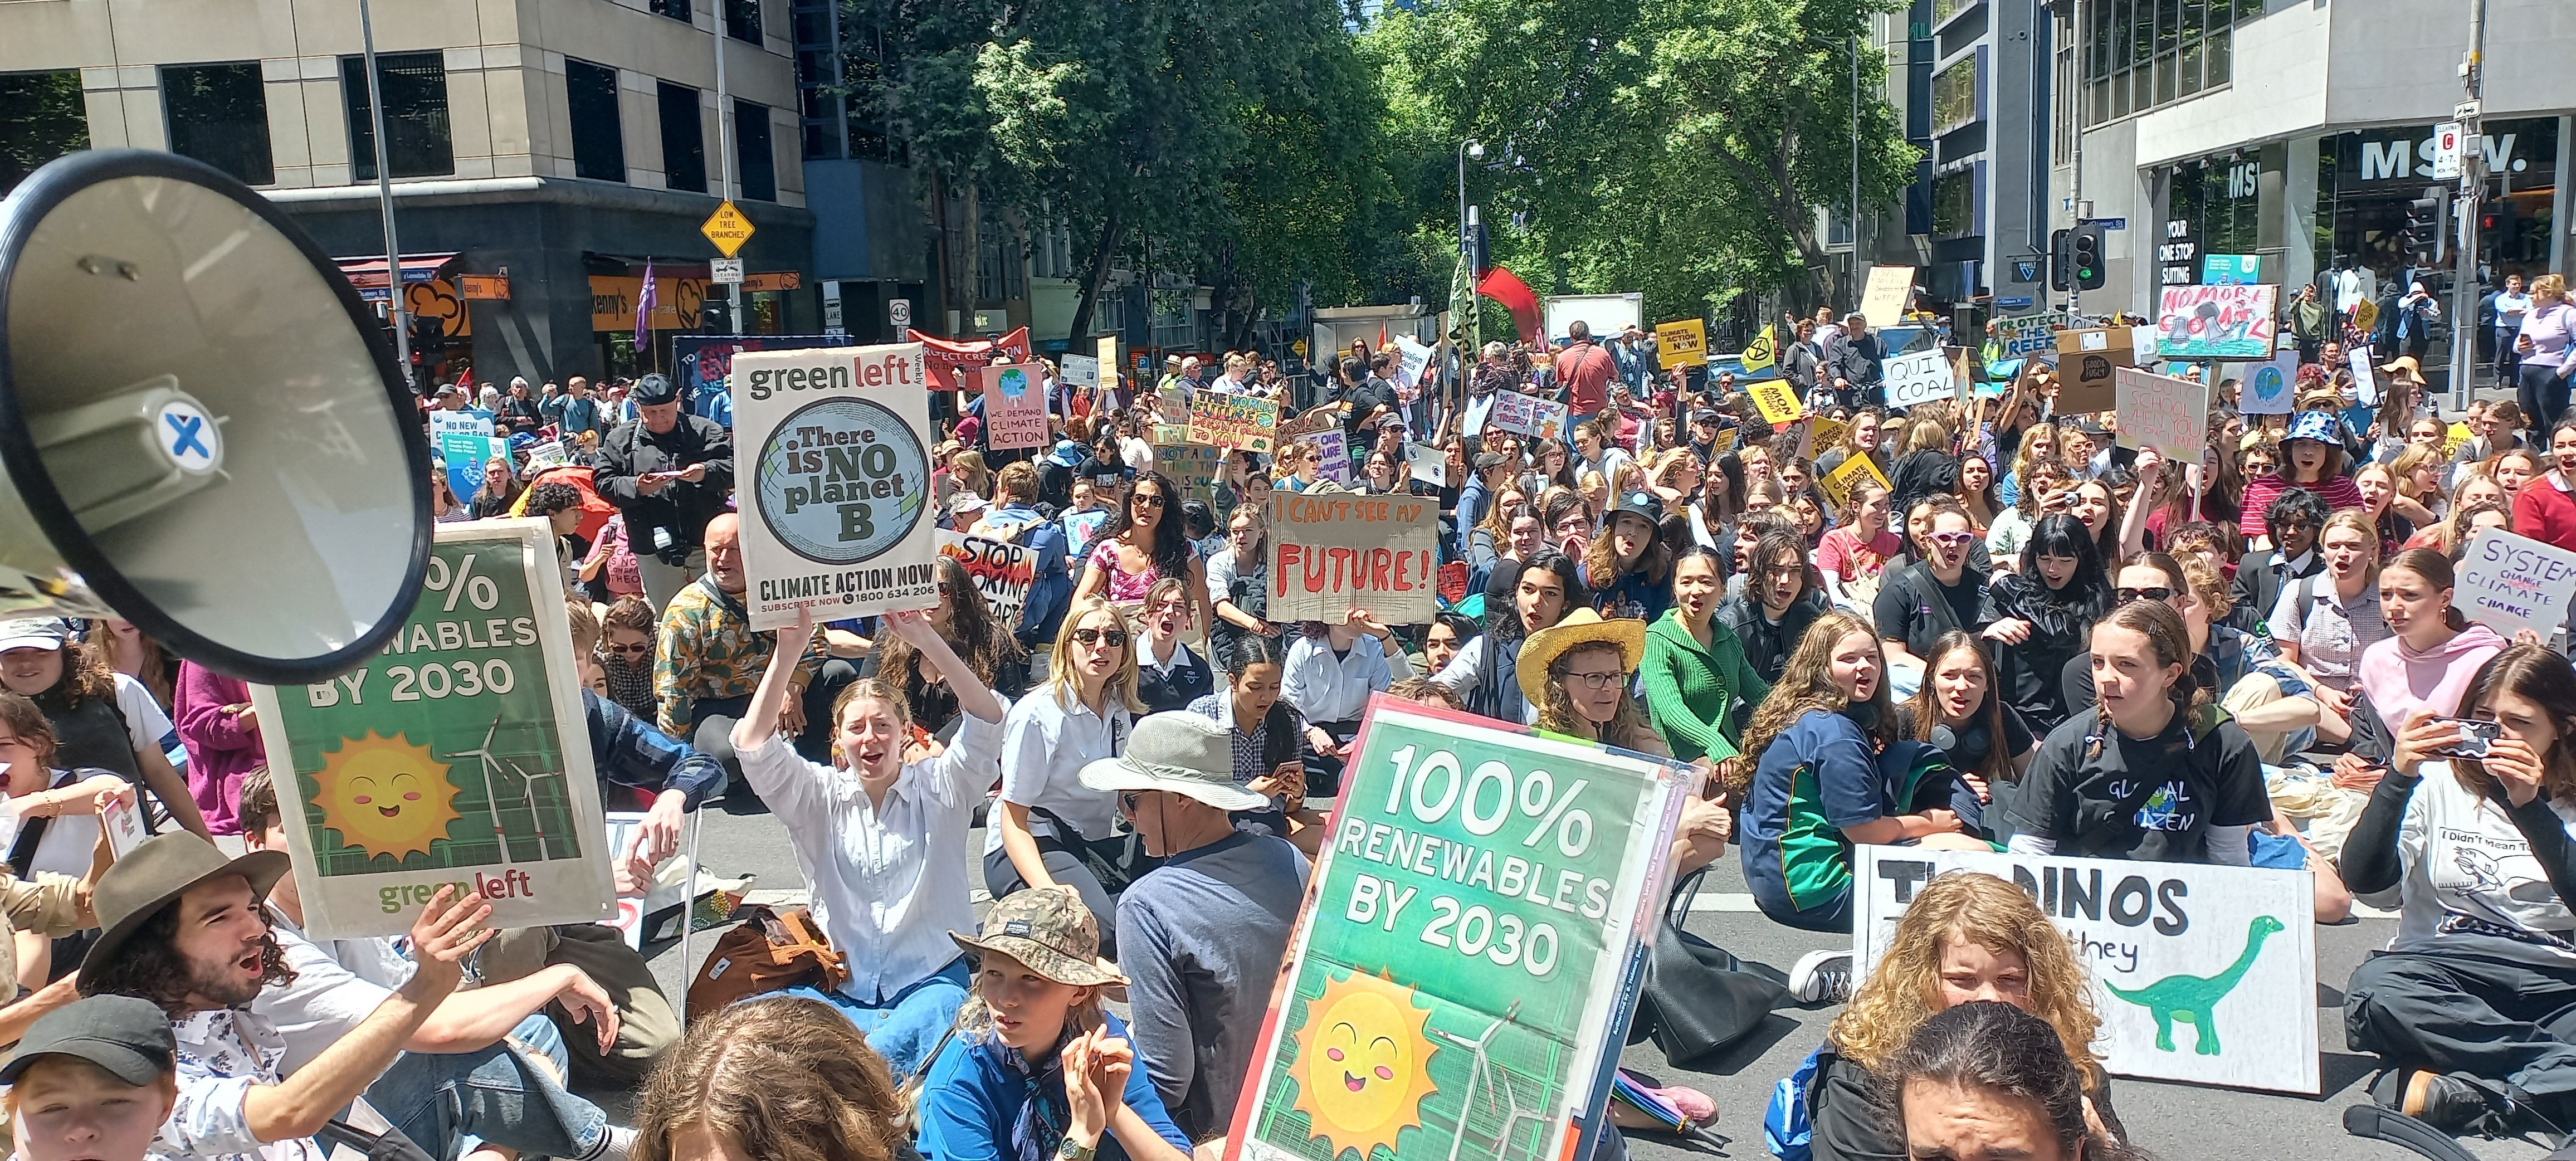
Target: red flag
column 1381, row 336
column 1504, row 287
column 942, row 358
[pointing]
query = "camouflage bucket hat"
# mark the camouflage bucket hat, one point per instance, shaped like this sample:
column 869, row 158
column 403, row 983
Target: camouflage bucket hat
column 1051, row 933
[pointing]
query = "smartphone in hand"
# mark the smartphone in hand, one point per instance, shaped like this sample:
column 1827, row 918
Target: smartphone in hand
column 2475, row 737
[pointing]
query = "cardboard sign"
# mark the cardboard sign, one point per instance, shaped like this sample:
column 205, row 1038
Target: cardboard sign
column 457, row 755
column 1681, row 344
column 1847, row 475
column 2031, row 335
column 1334, row 449
column 1002, row 571
column 1528, row 415
column 1411, row 359
column 1309, row 422
column 2201, row 973
column 1918, row 379
column 2269, row 388
column 1107, row 349
column 1332, row 552
column 2217, row 322
column 836, row 490
column 2511, row 582
column 2168, row 414
column 1015, row 411
column 1233, row 421
column 2087, row 363
column 1475, row 926
column 1882, row 302
column 1777, row 399
column 1193, row 466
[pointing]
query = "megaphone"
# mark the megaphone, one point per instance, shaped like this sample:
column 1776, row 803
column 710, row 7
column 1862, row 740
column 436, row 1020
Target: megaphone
column 201, row 429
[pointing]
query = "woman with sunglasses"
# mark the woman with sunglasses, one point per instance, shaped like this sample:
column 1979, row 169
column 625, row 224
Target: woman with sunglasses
column 1046, row 820
column 1301, row 466
column 1934, row 595
column 1145, row 541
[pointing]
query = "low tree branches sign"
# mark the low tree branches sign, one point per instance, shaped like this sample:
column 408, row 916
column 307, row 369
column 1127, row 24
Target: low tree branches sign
column 1333, row 552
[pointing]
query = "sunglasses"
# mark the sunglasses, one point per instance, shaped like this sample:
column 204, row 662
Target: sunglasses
column 1953, row 538
column 1127, row 800
column 638, row 650
column 2158, row 593
column 1114, row 638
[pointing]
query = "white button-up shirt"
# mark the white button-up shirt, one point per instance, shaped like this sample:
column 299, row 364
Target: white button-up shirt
column 1330, row 688
column 223, row 1054
column 1044, row 748
column 887, row 885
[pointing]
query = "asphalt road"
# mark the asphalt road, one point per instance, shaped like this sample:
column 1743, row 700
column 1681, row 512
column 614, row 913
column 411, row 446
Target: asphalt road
column 2176, row 1122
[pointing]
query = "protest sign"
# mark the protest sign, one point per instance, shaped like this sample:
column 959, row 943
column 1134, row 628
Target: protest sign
column 457, row 755
column 1528, row 415
column 1777, row 399
column 836, row 500
column 1681, row 344
column 1882, row 301
column 1473, row 935
column 1081, row 372
column 2168, row 414
column 2453, row 438
column 1480, row 409
column 2201, row 973
column 1851, row 473
column 2267, row 389
column 546, row 454
column 1411, row 358
column 463, row 440
column 1918, row 378
column 1827, row 434
column 1334, row 449
column 1015, row 410
column 1427, row 464
column 2365, row 386
column 1002, row 571
column 2510, row 582
column 2216, row 322
column 1308, row 422
column 2031, row 335
column 1193, row 466
column 1332, row 552
column 1233, row 421
column 1107, row 349
column 700, row 363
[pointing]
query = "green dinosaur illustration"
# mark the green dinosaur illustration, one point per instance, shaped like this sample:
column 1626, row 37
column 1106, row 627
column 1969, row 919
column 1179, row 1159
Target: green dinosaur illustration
column 2194, row 1000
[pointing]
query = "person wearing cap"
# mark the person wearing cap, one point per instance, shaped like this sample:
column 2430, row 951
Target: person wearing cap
column 2312, row 456
column 182, row 926
column 1035, row 1068
column 668, row 472
column 100, row 719
column 93, row 1081
column 1483, row 484
column 1207, row 930
column 1628, row 568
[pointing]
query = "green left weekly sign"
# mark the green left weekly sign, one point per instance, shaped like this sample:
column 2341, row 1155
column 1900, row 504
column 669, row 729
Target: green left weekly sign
column 1461, row 977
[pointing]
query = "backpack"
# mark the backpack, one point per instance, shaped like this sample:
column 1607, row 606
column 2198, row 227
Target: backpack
column 1785, row 1129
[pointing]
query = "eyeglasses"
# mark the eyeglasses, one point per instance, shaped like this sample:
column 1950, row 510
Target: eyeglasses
column 1596, row 682
column 1148, row 500
column 1127, row 800
column 1113, row 638
column 2158, row 593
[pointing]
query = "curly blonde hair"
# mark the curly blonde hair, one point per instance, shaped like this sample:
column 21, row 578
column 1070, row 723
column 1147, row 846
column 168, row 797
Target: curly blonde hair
column 781, row 1079
column 1904, row 989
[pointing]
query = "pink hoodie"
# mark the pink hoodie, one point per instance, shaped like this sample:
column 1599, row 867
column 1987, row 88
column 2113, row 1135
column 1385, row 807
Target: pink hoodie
column 2401, row 680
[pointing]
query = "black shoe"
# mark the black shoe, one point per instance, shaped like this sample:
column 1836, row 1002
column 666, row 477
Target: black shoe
column 2452, row 1103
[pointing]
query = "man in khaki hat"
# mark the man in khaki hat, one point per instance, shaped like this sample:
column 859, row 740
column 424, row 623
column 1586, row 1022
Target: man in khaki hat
column 1210, row 925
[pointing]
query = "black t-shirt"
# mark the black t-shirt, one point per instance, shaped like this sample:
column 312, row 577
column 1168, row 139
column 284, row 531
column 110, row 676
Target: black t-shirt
column 1916, row 608
column 2202, row 780
column 1106, row 476
column 1972, row 743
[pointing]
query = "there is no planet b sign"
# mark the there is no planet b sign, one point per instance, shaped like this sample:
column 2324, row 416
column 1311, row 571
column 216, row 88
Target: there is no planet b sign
column 839, row 495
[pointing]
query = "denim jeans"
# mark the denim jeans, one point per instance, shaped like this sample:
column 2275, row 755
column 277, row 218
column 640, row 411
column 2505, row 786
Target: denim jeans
column 905, row 1028
column 447, row 1101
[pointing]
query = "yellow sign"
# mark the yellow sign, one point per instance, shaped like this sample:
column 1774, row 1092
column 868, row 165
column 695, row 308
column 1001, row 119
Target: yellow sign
column 1681, row 344
column 1299, row 347
column 1778, row 401
column 1763, row 353
column 1838, row 484
column 2451, row 440
column 1108, row 348
column 1827, row 435
column 727, row 228
column 2364, row 314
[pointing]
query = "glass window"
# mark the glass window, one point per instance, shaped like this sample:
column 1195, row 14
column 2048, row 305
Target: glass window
column 1954, row 204
column 416, row 136
column 742, row 20
column 684, row 138
column 2165, row 92
column 2191, row 65
column 675, row 9
column 218, row 114
column 751, row 145
column 1954, row 95
column 2215, row 58
column 41, row 118
column 598, row 137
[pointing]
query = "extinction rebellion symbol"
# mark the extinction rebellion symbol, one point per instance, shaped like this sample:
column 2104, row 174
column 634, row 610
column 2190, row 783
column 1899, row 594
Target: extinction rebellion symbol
column 842, row 481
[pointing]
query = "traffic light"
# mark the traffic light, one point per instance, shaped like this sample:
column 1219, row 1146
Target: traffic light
column 2425, row 229
column 2085, row 248
column 2061, row 258
column 715, row 316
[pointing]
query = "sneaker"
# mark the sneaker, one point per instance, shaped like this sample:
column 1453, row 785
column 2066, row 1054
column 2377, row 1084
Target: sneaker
column 1822, row 977
column 2454, row 1104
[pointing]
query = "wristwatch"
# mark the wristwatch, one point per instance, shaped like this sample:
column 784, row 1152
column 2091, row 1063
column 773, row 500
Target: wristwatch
column 1070, row 1151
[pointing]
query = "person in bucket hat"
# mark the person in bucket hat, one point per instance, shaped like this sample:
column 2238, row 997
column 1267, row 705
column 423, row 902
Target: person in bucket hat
column 1210, row 925
column 1035, row 1069
column 2312, row 457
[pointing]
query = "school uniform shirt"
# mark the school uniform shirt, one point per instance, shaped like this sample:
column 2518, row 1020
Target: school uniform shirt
column 889, row 883
column 1334, row 686
column 1916, row 608
column 1971, row 744
column 1045, row 744
column 1172, row 684
column 2332, row 632
column 1817, row 777
column 2470, row 868
column 983, row 1101
column 2206, row 779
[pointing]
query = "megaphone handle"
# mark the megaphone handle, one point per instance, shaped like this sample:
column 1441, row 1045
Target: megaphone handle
column 689, row 916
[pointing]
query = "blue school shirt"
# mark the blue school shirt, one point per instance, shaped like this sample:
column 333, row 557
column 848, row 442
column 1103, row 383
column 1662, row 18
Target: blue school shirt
column 1817, row 777
column 977, row 1088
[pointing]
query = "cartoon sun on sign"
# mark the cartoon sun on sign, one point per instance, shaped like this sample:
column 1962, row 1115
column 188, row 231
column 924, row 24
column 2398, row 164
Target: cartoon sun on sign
column 385, row 795
column 1363, row 1063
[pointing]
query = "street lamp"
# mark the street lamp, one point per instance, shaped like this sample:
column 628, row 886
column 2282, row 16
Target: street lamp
column 1466, row 149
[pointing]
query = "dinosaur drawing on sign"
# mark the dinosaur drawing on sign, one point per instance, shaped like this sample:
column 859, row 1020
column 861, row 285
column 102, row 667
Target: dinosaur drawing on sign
column 2194, row 1000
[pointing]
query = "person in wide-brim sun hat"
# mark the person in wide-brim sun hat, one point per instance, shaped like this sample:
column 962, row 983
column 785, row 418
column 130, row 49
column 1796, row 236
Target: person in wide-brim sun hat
column 1541, row 649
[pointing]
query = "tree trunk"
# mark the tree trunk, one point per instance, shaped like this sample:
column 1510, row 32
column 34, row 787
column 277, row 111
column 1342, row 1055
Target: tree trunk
column 1103, row 255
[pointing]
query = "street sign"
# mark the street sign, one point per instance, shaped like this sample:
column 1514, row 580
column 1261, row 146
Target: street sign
column 899, row 311
column 2014, row 303
column 727, row 228
column 2446, row 151
column 2106, row 223
column 2026, row 269
column 726, row 270
column 2464, row 110
column 483, row 288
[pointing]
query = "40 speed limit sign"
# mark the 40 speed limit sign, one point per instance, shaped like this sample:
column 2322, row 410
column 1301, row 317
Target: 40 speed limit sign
column 458, row 756
column 1460, row 975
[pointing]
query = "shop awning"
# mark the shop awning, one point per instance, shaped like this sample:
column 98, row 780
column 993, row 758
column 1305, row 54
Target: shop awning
column 367, row 274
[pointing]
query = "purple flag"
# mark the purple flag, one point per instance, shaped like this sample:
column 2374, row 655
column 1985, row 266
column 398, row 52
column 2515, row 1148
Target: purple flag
column 644, row 304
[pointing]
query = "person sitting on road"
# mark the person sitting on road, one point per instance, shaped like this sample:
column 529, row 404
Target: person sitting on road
column 1783, row 594
column 776, row 1078
column 92, row 1081
column 708, row 659
column 1988, row 1080
column 2474, row 853
column 1045, row 819
column 1966, row 937
column 882, row 840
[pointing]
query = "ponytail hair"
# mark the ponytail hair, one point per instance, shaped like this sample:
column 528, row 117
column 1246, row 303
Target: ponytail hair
column 2435, row 568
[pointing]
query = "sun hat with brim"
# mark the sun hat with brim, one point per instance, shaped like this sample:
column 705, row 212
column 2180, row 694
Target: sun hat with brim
column 1540, row 650
column 1050, row 932
column 32, row 633
column 1181, row 752
column 2404, row 363
column 128, row 1036
column 156, row 872
column 2318, row 426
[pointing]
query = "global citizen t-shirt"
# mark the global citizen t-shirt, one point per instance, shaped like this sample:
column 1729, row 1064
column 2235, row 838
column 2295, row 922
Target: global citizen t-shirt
column 2071, row 799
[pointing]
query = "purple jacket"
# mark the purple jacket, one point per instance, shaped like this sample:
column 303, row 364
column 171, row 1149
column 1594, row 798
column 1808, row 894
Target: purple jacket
column 220, row 751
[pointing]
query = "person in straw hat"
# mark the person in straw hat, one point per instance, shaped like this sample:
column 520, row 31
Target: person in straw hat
column 1034, row 1068
column 1576, row 673
column 1207, row 929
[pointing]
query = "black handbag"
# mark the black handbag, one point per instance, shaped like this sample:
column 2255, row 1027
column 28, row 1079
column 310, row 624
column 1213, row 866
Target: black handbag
column 389, row 1145
column 1698, row 998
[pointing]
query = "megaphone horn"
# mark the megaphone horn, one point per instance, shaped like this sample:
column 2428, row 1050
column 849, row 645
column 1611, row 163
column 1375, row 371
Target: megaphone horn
column 201, row 431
